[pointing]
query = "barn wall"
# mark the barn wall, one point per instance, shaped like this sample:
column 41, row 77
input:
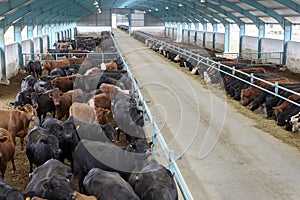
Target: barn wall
column 27, row 47
column 293, row 56
column 12, row 60
column 46, row 44
column 199, row 37
column 250, row 44
column 220, row 40
column 192, row 36
column 37, row 45
column 272, row 45
column 209, row 40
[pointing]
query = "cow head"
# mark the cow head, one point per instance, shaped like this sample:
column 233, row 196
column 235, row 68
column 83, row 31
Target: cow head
column 52, row 143
column 58, row 188
column 29, row 111
column 46, row 65
column 102, row 115
column 56, row 96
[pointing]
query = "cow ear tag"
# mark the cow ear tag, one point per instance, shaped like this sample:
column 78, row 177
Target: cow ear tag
column 77, row 127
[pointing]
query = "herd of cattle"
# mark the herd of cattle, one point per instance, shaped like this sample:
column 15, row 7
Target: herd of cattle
column 75, row 115
column 284, row 113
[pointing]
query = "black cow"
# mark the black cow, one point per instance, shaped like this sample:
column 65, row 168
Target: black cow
column 45, row 104
column 284, row 116
column 108, row 157
column 66, row 134
column 153, row 182
column 34, row 67
column 127, row 115
column 57, row 72
column 93, row 131
column 28, row 81
column 98, row 182
column 41, row 146
column 42, row 86
column 23, row 97
column 52, row 180
column 7, row 192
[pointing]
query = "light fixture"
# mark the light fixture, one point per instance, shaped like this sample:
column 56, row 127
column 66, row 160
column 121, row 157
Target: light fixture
column 149, row 10
column 180, row 5
column 156, row 9
column 167, row 8
column 95, row 3
column 99, row 10
column 202, row 1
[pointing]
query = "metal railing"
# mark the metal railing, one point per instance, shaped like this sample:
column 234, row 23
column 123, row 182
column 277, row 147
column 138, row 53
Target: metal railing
column 256, row 57
column 103, row 57
column 232, row 71
column 156, row 135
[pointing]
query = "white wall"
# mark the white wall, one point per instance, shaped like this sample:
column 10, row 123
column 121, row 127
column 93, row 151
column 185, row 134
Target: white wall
column 293, row 56
column 12, row 60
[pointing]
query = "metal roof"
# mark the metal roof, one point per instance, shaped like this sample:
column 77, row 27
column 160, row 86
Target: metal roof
column 256, row 12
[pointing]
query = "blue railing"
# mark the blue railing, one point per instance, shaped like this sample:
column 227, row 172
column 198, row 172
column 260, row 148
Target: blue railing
column 156, row 135
column 217, row 65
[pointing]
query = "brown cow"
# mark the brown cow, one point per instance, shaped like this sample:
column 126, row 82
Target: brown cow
column 50, row 65
column 108, row 89
column 7, row 151
column 75, row 60
column 17, row 121
column 109, row 66
column 284, row 105
column 63, row 83
column 101, row 100
column 62, row 102
column 93, row 70
column 83, row 112
column 251, row 93
column 102, row 115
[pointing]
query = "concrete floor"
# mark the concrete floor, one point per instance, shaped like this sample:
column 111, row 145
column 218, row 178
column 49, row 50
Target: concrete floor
column 223, row 156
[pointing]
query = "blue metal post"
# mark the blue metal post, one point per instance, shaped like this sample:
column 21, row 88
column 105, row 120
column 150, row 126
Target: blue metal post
column 30, row 37
column 47, row 33
column 215, row 29
column 169, row 29
column 242, row 33
column 261, row 35
column 196, row 32
column 52, row 40
column 129, row 25
column 40, row 35
column 2, row 55
column 204, row 33
column 189, row 31
column 287, row 37
column 173, row 31
column 182, row 32
column 18, row 39
column 227, row 38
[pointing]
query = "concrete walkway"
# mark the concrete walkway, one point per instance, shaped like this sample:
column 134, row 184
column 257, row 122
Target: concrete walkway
column 223, row 156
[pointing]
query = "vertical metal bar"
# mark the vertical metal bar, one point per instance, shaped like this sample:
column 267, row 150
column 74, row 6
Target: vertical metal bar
column 251, row 78
column 233, row 70
column 276, row 88
column 154, row 135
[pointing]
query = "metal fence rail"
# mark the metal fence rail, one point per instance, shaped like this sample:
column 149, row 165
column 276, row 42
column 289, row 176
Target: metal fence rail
column 256, row 57
column 217, row 65
column 156, row 135
column 103, row 57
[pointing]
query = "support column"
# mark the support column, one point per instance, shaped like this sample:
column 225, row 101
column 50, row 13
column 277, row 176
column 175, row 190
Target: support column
column 261, row 35
column 189, row 31
column 30, row 37
column 287, row 38
column 40, row 35
column 196, row 32
column 52, row 38
column 227, row 38
column 129, row 21
column 2, row 55
column 169, row 29
column 204, row 34
column 173, row 31
column 242, row 33
column 47, row 33
column 182, row 31
column 18, row 39
column 215, row 29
